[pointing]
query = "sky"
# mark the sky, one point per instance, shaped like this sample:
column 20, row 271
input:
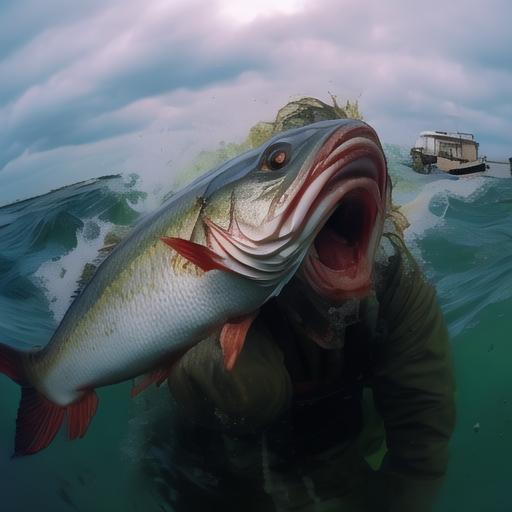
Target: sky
column 106, row 86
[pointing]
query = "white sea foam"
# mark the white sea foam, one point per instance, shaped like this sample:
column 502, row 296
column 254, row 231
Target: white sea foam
column 59, row 277
column 419, row 212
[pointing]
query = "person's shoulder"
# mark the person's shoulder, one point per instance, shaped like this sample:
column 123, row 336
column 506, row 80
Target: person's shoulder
column 393, row 259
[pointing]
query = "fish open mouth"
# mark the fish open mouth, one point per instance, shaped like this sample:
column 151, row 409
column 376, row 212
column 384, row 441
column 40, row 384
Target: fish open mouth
column 340, row 259
column 343, row 240
column 339, row 262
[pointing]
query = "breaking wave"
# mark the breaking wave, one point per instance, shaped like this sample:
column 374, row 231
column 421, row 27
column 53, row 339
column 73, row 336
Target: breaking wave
column 461, row 230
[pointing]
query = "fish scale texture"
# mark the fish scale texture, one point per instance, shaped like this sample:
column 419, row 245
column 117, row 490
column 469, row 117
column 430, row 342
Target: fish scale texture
column 150, row 312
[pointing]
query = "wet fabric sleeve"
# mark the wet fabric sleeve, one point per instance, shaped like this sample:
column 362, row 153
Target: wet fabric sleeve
column 413, row 381
column 245, row 399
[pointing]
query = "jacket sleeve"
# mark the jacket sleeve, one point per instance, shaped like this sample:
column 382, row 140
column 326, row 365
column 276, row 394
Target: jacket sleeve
column 413, row 376
column 413, row 385
column 243, row 400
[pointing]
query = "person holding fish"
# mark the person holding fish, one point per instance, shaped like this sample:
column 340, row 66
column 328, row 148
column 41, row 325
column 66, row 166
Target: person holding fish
column 318, row 387
column 331, row 377
column 271, row 291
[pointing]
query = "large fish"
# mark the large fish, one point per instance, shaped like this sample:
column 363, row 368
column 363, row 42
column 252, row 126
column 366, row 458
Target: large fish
column 205, row 261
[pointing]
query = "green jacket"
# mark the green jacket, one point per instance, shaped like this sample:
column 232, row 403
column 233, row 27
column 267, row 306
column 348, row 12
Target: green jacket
column 302, row 406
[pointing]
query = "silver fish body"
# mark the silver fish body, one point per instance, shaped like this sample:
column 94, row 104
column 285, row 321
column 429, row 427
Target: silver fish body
column 213, row 253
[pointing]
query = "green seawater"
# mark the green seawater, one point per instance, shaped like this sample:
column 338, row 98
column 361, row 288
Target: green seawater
column 469, row 257
column 461, row 232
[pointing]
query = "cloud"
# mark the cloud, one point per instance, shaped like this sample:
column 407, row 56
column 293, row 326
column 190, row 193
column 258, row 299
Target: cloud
column 22, row 21
column 103, row 73
column 150, row 56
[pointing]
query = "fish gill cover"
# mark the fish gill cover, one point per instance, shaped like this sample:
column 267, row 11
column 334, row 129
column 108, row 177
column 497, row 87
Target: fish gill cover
column 460, row 229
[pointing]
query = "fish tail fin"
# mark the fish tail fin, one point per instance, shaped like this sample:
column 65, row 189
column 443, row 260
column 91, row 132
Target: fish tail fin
column 11, row 364
column 39, row 420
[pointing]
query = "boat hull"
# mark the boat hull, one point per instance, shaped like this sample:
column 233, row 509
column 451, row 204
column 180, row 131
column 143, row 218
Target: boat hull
column 425, row 164
column 469, row 168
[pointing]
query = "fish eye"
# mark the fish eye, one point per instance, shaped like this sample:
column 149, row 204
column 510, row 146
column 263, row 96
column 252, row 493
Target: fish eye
column 276, row 158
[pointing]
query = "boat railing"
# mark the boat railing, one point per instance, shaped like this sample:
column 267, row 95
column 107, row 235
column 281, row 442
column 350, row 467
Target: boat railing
column 459, row 135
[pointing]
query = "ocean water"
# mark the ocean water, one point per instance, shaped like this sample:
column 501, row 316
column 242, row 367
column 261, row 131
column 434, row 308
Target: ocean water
column 461, row 232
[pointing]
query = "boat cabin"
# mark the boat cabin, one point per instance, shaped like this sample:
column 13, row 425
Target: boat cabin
column 453, row 152
column 452, row 145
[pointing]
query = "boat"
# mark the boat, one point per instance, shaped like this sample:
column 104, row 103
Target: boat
column 451, row 152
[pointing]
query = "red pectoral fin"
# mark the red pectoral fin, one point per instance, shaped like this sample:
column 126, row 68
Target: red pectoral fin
column 157, row 376
column 198, row 254
column 232, row 338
